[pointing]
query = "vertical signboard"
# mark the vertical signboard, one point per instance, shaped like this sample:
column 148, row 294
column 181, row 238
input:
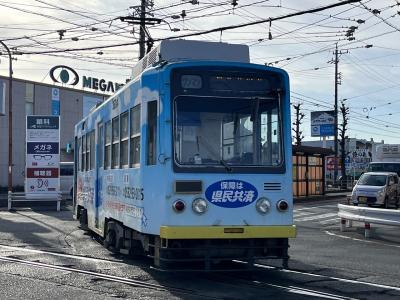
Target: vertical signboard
column 42, row 154
column 323, row 123
column 55, row 101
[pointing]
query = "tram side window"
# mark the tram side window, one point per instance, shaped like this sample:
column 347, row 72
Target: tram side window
column 100, row 143
column 87, row 152
column 92, row 151
column 83, row 152
column 151, row 132
column 115, row 143
column 107, row 151
column 80, row 154
column 124, row 139
column 135, row 136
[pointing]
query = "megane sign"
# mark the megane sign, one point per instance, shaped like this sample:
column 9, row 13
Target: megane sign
column 66, row 75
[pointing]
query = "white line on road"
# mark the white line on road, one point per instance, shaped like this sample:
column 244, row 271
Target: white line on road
column 360, row 240
column 330, row 221
column 316, row 217
column 332, row 278
column 316, row 207
column 59, row 254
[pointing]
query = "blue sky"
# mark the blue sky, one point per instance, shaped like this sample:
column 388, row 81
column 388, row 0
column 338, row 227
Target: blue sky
column 302, row 45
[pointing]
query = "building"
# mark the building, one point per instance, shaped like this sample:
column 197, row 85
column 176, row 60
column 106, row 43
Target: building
column 36, row 98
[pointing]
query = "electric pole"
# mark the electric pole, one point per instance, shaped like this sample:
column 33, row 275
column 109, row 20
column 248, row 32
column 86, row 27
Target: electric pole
column 299, row 117
column 338, row 81
column 345, row 121
column 142, row 21
column 142, row 33
column 10, row 119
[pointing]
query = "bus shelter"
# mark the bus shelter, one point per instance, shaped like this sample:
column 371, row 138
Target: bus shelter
column 309, row 170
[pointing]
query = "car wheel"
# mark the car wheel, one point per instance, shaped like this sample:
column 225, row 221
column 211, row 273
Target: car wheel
column 386, row 204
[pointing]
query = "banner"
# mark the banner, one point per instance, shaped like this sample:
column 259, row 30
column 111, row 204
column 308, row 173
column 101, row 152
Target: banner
column 42, row 154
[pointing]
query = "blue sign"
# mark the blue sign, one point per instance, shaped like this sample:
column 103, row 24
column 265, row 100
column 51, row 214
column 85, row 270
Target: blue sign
column 41, row 148
column 327, row 130
column 231, row 193
column 55, row 107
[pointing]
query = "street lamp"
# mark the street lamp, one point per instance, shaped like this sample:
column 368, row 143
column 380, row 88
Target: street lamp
column 9, row 119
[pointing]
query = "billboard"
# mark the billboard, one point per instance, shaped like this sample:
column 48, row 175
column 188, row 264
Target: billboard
column 323, row 123
column 42, row 154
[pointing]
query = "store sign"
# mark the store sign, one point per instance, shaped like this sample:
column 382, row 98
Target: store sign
column 42, row 154
column 67, row 75
column 323, row 123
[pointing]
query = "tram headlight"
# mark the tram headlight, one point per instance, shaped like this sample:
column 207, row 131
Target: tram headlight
column 263, row 205
column 282, row 205
column 199, row 206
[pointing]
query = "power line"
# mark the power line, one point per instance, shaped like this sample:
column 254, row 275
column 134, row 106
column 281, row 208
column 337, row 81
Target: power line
column 219, row 29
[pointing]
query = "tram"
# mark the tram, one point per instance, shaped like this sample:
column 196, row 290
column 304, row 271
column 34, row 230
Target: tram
column 190, row 162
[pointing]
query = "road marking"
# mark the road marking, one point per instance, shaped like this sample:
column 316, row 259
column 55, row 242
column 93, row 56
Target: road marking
column 306, row 292
column 316, row 207
column 316, row 217
column 303, row 214
column 60, row 254
column 360, row 240
column 333, row 221
column 331, row 278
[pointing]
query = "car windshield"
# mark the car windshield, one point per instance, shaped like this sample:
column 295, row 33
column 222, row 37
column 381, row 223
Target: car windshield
column 374, row 180
column 227, row 131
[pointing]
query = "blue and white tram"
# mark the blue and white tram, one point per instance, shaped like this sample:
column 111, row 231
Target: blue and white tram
column 190, row 161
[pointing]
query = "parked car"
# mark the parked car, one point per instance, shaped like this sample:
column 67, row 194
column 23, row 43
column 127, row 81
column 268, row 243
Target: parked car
column 67, row 179
column 377, row 188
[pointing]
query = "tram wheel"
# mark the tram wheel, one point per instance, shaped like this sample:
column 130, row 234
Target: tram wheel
column 110, row 241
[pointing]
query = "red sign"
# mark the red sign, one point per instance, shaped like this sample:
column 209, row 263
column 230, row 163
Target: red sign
column 42, row 172
column 330, row 163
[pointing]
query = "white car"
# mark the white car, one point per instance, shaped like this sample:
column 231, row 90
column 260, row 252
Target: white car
column 66, row 179
column 376, row 188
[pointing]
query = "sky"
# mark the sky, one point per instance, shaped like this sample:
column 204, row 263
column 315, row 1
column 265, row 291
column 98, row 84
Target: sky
column 304, row 45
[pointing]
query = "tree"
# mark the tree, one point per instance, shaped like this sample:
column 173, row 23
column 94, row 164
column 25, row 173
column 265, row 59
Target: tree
column 298, row 137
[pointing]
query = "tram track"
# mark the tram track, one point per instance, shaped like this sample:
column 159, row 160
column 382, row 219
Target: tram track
column 117, row 279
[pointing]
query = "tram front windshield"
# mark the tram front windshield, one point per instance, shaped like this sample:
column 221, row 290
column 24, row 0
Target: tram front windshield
column 227, row 131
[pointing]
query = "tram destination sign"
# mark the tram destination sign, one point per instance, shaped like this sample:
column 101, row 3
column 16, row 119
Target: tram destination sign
column 42, row 154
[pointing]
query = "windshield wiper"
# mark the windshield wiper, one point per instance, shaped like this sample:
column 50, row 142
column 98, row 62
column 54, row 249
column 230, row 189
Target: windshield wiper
column 225, row 164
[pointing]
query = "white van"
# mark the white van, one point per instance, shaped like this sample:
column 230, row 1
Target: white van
column 66, row 179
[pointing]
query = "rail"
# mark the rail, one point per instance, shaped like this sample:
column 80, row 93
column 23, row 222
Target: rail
column 367, row 215
column 40, row 197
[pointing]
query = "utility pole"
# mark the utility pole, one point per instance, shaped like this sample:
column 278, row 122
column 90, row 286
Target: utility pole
column 10, row 102
column 299, row 117
column 338, row 81
column 142, row 21
column 142, row 32
column 345, row 121
column 336, row 113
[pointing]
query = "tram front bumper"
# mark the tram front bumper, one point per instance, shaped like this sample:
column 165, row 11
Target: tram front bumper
column 227, row 232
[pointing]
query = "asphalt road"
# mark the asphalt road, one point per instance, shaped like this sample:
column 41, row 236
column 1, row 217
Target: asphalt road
column 43, row 255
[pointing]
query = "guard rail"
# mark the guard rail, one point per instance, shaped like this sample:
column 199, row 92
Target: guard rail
column 367, row 215
column 40, row 197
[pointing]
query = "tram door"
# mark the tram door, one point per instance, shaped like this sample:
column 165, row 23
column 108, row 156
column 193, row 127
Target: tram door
column 98, row 165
